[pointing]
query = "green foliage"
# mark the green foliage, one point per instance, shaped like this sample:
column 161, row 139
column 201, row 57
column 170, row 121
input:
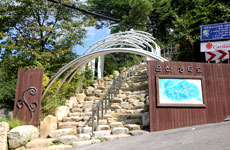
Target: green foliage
column 116, row 60
column 37, row 34
column 101, row 139
column 169, row 21
column 12, row 122
column 7, row 90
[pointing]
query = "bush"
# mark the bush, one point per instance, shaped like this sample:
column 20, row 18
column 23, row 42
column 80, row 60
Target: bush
column 14, row 122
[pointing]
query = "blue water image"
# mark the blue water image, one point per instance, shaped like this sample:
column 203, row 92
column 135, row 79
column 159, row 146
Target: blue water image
column 178, row 90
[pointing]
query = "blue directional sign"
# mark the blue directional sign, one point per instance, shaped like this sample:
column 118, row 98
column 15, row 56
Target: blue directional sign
column 215, row 31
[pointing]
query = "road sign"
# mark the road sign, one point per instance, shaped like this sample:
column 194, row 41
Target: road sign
column 215, row 31
column 217, row 55
column 214, row 46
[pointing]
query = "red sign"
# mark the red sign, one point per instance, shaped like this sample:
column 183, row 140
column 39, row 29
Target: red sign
column 213, row 46
column 216, row 55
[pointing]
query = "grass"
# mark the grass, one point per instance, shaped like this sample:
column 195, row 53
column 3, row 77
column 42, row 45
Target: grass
column 12, row 122
column 101, row 139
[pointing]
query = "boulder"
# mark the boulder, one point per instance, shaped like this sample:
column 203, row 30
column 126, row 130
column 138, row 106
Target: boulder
column 101, row 133
column 72, row 101
column 67, row 139
column 84, row 136
column 39, row 143
column 137, row 132
column 120, row 130
column 116, row 73
column 89, row 91
column 62, row 132
column 47, row 125
column 145, row 120
column 80, row 97
column 115, row 137
column 4, row 128
column 61, row 112
column 132, row 127
column 116, row 124
column 20, row 135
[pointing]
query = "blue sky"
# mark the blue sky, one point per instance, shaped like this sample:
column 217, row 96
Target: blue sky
column 93, row 36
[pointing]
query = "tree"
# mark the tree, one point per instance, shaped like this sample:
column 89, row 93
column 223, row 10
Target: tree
column 37, row 34
column 169, row 21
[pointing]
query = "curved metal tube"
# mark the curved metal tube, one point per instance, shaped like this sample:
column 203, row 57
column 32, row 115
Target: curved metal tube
column 88, row 57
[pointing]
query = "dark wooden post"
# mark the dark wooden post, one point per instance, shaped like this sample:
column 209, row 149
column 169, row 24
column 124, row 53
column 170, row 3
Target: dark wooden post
column 27, row 106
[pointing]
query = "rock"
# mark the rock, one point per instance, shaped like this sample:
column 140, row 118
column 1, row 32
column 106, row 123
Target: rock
column 115, row 137
column 89, row 91
column 101, row 133
column 85, row 143
column 80, row 97
column 39, row 143
column 4, row 128
column 137, row 132
column 47, row 125
column 84, row 130
column 136, row 116
column 127, row 93
column 61, row 112
column 125, row 105
column 116, row 124
column 72, row 124
column 77, row 110
column 103, row 127
column 138, row 105
column 91, row 98
column 145, row 120
column 75, row 114
column 132, row 127
column 84, row 136
column 66, row 139
column 21, row 148
column 115, row 107
column 117, row 100
column 139, row 92
column 69, row 119
column 20, row 135
column 97, row 92
column 62, row 132
column 132, row 121
column 130, row 100
column 72, row 101
column 123, row 96
column 58, row 147
column 120, row 130
column 116, row 73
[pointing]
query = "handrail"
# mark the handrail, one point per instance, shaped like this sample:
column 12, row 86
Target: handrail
column 106, row 101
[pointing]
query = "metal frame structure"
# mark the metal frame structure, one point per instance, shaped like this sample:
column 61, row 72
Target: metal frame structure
column 135, row 42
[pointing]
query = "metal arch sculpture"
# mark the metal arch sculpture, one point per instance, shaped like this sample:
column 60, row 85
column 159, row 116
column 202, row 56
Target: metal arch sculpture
column 136, row 42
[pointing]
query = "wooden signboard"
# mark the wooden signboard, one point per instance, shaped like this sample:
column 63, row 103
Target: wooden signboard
column 27, row 106
column 185, row 94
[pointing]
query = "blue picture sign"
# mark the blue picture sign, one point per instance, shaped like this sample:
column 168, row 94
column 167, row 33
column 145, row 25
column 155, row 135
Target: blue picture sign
column 215, row 31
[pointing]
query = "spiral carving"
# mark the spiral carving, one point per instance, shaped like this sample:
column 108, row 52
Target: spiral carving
column 20, row 103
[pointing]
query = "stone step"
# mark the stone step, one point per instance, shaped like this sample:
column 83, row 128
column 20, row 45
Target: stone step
column 71, row 119
column 101, row 133
column 71, row 124
column 84, row 136
column 133, row 127
column 102, row 127
column 138, row 132
column 66, row 139
column 61, row 132
column 85, row 143
column 115, row 137
column 39, row 143
column 120, row 130
column 87, row 130
column 74, row 109
column 116, row 124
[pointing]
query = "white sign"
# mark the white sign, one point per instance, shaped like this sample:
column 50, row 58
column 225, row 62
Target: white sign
column 214, row 46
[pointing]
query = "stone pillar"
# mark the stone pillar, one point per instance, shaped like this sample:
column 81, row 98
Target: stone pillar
column 100, row 67
column 4, row 128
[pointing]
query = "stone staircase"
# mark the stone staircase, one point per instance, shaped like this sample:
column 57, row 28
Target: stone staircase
column 128, row 115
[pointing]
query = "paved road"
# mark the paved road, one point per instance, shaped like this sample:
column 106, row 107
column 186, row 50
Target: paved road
column 203, row 137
